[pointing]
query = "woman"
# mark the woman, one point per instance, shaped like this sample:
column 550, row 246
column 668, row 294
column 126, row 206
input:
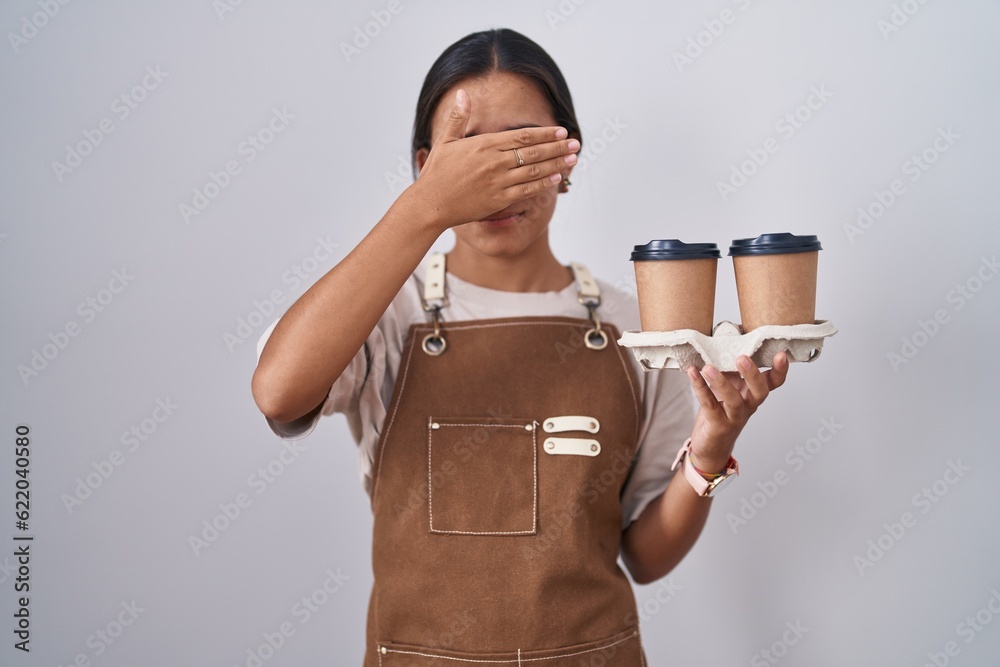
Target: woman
column 511, row 453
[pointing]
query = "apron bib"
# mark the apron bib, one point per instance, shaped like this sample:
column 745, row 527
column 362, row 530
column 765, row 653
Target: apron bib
column 496, row 494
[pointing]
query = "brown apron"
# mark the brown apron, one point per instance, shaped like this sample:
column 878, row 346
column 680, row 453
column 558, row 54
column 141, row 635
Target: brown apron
column 496, row 495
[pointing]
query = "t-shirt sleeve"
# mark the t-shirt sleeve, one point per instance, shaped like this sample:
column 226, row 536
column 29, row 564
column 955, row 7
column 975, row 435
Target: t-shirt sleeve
column 668, row 419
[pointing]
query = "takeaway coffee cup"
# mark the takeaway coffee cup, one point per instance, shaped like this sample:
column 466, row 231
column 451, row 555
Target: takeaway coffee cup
column 776, row 279
column 676, row 285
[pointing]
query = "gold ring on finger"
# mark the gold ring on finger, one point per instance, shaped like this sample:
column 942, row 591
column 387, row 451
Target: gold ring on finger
column 520, row 161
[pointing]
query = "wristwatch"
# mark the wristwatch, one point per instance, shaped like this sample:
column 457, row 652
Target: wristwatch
column 704, row 485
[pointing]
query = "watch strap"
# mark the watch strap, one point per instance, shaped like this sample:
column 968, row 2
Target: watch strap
column 703, row 487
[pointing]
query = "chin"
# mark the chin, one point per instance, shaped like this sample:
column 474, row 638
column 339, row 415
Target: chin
column 499, row 247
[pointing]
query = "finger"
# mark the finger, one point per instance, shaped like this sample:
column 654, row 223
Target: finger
column 529, row 189
column 756, row 383
column 779, row 371
column 458, row 119
column 529, row 136
column 703, row 393
column 732, row 400
column 542, row 169
column 554, row 150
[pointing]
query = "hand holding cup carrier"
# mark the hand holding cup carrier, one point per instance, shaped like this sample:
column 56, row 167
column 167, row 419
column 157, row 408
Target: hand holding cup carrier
column 776, row 287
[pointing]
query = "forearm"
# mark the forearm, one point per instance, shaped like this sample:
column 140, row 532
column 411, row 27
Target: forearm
column 321, row 332
column 665, row 531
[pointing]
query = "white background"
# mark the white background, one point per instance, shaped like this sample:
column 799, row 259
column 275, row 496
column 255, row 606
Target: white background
column 331, row 173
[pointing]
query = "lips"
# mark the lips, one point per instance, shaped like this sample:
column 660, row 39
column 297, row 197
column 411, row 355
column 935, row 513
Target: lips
column 502, row 219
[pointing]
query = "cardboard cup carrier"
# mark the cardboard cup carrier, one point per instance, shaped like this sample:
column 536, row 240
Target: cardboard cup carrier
column 676, row 285
column 776, row 279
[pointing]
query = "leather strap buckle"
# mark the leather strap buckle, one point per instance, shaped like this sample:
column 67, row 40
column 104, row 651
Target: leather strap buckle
column 434, row 299
column 588, row 294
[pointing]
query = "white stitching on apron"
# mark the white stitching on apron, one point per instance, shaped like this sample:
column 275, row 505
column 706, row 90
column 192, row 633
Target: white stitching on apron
column 618, row 351
column 534, row 489
column 519, row 660
column 462, row 327
column 406, row 371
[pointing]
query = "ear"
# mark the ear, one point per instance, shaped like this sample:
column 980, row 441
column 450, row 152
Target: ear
column 422, row 158
column 563, row 189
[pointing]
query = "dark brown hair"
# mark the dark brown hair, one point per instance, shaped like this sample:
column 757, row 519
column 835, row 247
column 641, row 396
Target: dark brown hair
column 483, row 53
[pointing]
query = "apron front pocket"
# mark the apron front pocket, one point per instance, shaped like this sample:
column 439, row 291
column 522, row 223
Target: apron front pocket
column 482, row 476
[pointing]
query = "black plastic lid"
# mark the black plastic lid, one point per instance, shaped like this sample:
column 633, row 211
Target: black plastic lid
column 674, row 249
column 774, row 244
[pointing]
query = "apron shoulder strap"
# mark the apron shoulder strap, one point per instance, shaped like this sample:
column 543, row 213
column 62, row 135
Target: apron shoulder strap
column 588, row 293
column 434, row 298
column 434, row 294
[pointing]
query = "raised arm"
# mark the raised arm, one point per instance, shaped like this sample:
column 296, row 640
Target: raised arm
column 462, row 179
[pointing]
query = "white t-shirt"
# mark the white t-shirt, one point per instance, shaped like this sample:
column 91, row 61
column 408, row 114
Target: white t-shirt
column 364, row 390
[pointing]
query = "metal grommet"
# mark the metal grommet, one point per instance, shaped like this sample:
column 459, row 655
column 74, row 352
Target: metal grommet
column 593, row 448
column 595, row 339
column 434, row 344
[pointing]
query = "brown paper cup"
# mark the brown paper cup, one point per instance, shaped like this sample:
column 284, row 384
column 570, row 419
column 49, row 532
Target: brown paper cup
column 776, row 279
column 675, row 282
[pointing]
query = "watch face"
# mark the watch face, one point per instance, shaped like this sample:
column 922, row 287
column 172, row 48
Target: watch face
column 721, row 482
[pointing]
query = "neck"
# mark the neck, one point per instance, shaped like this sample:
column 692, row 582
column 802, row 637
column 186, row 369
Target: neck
column 534, row 270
